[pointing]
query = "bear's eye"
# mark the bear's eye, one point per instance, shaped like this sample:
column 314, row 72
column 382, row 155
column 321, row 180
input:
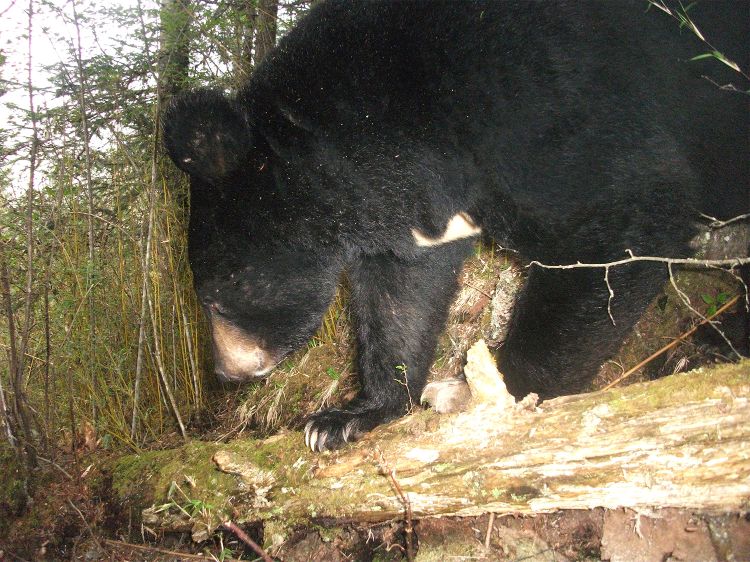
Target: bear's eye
column 214, row 307
column 218, row 308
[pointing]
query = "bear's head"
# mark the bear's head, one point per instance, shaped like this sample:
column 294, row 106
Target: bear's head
column 263, row 291
column 261, row 303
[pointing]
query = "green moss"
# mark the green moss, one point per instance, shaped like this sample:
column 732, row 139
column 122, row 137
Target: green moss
column 275, row 532
column 147, row 478
column 680, row 388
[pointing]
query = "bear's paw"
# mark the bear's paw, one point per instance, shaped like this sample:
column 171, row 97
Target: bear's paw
column 332, row 428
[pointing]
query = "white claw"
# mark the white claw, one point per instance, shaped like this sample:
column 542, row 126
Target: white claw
column 322, row 441
column 347, row 430
column 313, row 439
column 308, row 427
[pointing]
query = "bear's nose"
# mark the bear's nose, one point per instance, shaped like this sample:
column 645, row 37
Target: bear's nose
column 226, row 377
column 213, row 306
column 222, row 376
column 238, row 356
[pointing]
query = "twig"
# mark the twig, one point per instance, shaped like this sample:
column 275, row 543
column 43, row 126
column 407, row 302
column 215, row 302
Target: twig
column 478, row 290
column 57, row 466
column 490, row 526
column 177, row 554
column 229, row 526
column 741, row 281
column 729, row 87
column 718, row 264
column 733, row 262
column 671, row 344
column 408, row 525
column 610, row 297
column 6, row 10
column 88, row 527
column 716, row 223
column 686, row 301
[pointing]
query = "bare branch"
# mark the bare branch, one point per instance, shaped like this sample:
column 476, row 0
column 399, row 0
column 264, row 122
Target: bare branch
column 693, row 262
column 242, row 535
column 86, row 523
column 611, row 295
column 716, row 223
column 173, row 553
column 408, row 526
column 719, row 264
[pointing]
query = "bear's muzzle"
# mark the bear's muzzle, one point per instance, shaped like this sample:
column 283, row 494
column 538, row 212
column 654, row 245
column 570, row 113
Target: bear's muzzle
column 238, row 357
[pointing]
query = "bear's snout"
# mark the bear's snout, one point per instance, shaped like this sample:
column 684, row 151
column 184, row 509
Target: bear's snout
column 238, row 357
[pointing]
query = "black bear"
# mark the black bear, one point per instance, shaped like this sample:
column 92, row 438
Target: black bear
column 383, row 138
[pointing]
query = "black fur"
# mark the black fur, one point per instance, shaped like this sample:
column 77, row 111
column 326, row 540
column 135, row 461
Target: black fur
column 569, row 131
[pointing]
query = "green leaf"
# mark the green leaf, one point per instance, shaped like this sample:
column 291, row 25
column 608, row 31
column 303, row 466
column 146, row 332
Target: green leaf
column 703, row 56
column 331, row 372
column 718, row 56
column 725, row 60
column 708, row 299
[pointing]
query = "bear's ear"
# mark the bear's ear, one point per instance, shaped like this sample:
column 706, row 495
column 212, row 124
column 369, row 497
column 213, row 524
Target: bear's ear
column 206, row 134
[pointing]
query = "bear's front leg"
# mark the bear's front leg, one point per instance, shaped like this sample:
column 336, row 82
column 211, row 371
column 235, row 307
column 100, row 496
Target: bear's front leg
column 399, row 307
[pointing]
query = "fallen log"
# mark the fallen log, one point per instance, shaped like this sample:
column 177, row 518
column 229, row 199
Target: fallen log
column 681, row 441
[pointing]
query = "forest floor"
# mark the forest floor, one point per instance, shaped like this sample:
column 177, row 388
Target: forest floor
column 71, row 512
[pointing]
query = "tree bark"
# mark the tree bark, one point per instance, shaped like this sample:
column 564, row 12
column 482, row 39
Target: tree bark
column 11, row 428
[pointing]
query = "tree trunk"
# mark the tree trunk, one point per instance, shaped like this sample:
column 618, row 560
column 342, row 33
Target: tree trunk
column 265, row 35
column 682, row 441
column 174, row 52
column 91, row 265
column 247, row 15
column 19, row 364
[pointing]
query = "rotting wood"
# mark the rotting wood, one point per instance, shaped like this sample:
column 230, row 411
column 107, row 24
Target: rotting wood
column 682, row 441
column 679, row 442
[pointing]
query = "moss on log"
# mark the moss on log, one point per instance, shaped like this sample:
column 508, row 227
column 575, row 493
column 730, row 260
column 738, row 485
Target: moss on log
column 681, row 441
